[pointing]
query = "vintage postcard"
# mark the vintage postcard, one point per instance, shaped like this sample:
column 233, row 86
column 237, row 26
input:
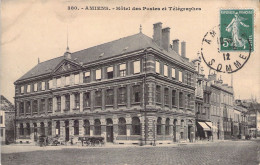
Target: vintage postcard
column 130, row 82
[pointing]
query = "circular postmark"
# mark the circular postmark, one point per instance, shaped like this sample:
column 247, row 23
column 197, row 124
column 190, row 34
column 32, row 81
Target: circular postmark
column 225, row 61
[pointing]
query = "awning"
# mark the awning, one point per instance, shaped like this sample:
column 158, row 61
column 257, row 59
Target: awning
column 204, row 126
column 211, row 126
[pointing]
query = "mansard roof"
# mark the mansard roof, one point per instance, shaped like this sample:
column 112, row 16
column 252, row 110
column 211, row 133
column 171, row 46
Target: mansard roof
column 110, row 49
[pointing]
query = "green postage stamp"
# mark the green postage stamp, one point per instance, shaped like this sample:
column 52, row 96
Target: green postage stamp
column 237, row 30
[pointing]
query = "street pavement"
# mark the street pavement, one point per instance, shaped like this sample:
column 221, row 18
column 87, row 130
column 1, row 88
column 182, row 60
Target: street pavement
column 222, row 153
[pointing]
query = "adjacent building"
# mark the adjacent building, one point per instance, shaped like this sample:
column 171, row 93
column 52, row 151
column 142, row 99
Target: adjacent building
column 7, row 116
column 134, row 90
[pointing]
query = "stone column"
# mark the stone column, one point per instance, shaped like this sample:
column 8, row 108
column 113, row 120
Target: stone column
column 103, row 128
column 71, row 127
column 177, row 99
column 18, row 108
column 128, row 126
column 72, row 102
column 128, row 92
column 46, row 127
column 92, row 97
column 91, row 122
column 62, row 103
column 31, row 104
column 54, row 104
column 171, row 128
column 115, row 97
column 162, row 96
column 170, row 97
column 39, row 106
column 18, row 130
column 103, row 93
column 80, row 77
column 81, row 128
column 46, row 106
column 115, row 127
column 163, row 127
column 24, row 108
column 81, row 101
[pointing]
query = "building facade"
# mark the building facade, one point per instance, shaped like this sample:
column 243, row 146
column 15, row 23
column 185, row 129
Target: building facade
column 7, row 116
column 133, row 90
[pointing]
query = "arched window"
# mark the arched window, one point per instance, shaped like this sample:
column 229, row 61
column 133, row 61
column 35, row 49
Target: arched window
column 76, row 127
column 86, row 127
column 121, row 126
column 159, row 126
column 42, row 130
column 21, row 129
column 136, row 126
column 167, row 127
column 57, row 131
column 97, row 127
column 28, row 131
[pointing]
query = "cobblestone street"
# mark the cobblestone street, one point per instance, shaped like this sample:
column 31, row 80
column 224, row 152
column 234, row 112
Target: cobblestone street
column 228, row 152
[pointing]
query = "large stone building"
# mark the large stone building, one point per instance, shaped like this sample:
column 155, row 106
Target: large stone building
column 135, row 89
column 7, row 116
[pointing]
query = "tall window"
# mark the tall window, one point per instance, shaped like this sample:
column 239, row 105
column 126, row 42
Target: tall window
column 22, row 89
column 86, row 127
column 28, row 107
column 159, row 126
column 166, row 96
column 76, row 127
column 98, row 74
column 157, row 67
column 21, row 107
column 97, row 127
column 167, row 127
column 35, row 87
column 181, row 100
column 58, row 82
column 98, row 98
column 110, row 72
column 58, row 103
column 67, row 80
column 174, row 103
column 173, row 73
column 35, row 106
column 76, row 78
column 109, row 97
column 28, row 88
column 21, row 129
column 42, row 105
column 67, row 102
column 122, row 95
column 77, row 100
column 158, row 94
column 137, row 66
column 180, row 76
column 28, row 130
column 43, row 85
column 86, row 99
column 121, row 126
column 136, row 126
column 189, row 101
column 136, row 94
column 86, row 77
column 122, row 70
column 165, row 70
column 50, row 105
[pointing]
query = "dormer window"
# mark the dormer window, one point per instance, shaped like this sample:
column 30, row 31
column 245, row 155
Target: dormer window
column 110, row 73
column 58, row 82
column 22, row 89
column 76, row 78
column 86, row 77
column 98, row 74
column 35, row 87
column 157, row 67
column 137, row 67
column 28, row 88
column 173, row 73
column 122, row 70
column 165, row 70
column 43, row 85
column 67, row 80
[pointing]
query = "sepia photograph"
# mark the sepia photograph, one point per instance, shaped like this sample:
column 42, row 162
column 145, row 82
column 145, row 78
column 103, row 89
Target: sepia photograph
column 130, row 82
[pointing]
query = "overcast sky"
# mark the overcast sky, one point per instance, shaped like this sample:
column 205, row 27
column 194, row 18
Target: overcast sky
column 32, row 30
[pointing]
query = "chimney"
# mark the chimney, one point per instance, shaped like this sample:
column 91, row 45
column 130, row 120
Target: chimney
column 183, row 49
column 175, row 45
column 157, row 33
column 166, row 38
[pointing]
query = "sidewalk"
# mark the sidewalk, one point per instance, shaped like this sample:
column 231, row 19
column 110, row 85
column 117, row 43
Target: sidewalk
column 16, row 148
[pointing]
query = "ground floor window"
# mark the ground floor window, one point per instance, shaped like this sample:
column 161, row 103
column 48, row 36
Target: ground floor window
column 122, row 126
column 76, row 127
column 136, row 126
column 97, row 127
column 159, row 126
column 86, row 127
column 167, row 127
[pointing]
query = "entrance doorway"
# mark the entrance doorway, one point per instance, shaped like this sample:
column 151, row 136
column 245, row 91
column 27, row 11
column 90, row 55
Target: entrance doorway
column 67, row 131
column 190, row 135
column 109, row 130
